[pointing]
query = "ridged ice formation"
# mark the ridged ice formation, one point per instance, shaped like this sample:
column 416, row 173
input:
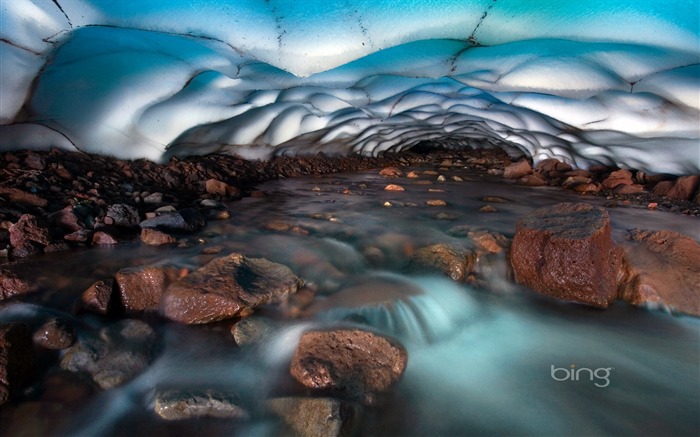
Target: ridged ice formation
column 612, row 81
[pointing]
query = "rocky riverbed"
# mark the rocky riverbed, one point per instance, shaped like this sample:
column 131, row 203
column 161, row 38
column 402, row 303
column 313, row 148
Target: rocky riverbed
column 104, row 262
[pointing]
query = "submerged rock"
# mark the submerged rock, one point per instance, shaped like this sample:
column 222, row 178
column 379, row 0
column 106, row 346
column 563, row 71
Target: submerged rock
column 16, row 358
column 179, row 405
column 97, row 298
column 55, row 334
column 141, row 288
column 226, row 286
column 351, row 363
column 251, row 330
column 316, row 417
column 154, row 237
column 185, row 220
column 566, row 251
column 12, row 285
column 662, row 267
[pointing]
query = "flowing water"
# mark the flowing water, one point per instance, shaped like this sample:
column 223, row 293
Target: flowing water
column 486, row 359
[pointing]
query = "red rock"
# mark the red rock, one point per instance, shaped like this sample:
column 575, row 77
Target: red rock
column 350, row 363
column 12, row 285
column 122, row 215
column 487, row 208
column 16, row 358
column 436, row 202
column 140, row 288
column 517, row 170
column 29, row 229
column 16, row 195
column 571, row 181
column 54, row 334
column 225, row 287
column 489, row 242
column 80, row 236
column 34, row 161
column 628, row 189
column 619, row 177
column 394, row 187
column 682, row 188
column 101, row 238
column 662, row 267
column 532, row 180
column 219, row 188
column 566, row 251
column 66, row 219
column 587, row 188
column 413, row 174
column 97, row 298
column 154, row 237
column 452, row 261
column 578, row 173
column 392, row 172
column 322, row 417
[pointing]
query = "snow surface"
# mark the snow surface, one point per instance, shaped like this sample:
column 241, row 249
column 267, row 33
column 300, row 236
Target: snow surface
column 595, row 81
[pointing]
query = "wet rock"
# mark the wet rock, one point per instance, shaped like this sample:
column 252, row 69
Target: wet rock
column 616, row 178
column 66, row 219
column 185, row 220
column 316, row 417
column 153, row 199
column 29, row 229
column 15, row 195
column 661, row 267
column 35, row 161
column 226, row 286
column 572, row 181
column 97, row 298
column 517, row 170
column 55, row 334
column 122, row 215
column 413, row 174
column 532, row 180
column 487, row 208
column 79, row 236
column 436, row 202
column 16, row 358
column 590, row 188
column 219, row 188
column 13, row 285
column 566, row 251
column 628, row 189
column 121, row 352
column 154, row 237
column 394, row 187
column 682, row 188
column 454, row 262
column 489, row 242
column 392, row 172
column 179, row 405
column 251, row 330
column 140, row 288
column 101, row 238
column 350, row 363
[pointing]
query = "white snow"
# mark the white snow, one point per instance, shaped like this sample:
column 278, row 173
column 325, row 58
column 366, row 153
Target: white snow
column 611, row 81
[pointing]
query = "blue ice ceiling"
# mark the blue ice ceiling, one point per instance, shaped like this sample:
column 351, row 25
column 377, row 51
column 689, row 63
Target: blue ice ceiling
column 613, row 82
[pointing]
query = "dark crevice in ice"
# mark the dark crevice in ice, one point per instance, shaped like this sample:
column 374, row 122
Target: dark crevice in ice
column 472, row 36
column 60, row 8
column 13, row 44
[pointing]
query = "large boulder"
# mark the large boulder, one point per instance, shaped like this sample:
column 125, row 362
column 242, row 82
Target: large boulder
column 662, row 267
column 350, row 363
column 566, row 251
column 16, row 358
column 225, row 287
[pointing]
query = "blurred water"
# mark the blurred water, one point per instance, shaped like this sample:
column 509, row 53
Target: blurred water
column 480, row 361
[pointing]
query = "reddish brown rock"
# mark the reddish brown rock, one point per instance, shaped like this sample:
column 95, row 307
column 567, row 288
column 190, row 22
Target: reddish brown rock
column 140, row 288
column 662, row 267
column 394, row 187
column 219, row 188
column 454, row 262
column 15, row 195
column 66, row 219
column 98, row 297
column 101, row 238
column 566, row 251
column 16, row 358
column 226, row 286
column 489, row 242
column 392, row 172
column 351, row 363
column 80, row 236
column 549, row 165
column 122, row 215
column 616, row 178
column 316, row 417
column 54, row 334
column 517, row 170
column 13, row 285
column 628, row 189
column 154, row 237
column 436, row 202
column 533, row 180
column 29, row 229
column 682, row 188
column 592, row 187
column 572, row 181
column 34, row 161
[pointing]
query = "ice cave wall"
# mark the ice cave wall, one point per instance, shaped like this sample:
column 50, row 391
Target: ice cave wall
column 613, row 81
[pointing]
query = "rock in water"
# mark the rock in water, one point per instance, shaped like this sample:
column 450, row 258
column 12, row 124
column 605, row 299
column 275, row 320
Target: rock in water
column 16, row 358
column 179, row 405
column 316, row 417
column 97, row 298
column 662, row 267
column 226, row 286
column 55, row 334
column 566, row 251
column 185, row 220
column 12, row 285
column 350, row 363
column 140, row 288
column 454, row 262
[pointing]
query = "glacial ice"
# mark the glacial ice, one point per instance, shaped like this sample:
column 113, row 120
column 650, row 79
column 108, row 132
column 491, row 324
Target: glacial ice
column 594, row 81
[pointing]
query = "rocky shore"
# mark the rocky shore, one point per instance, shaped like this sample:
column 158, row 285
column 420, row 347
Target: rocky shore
column 57, row 201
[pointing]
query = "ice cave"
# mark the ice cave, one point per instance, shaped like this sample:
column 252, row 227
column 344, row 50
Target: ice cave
column 349, row 217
